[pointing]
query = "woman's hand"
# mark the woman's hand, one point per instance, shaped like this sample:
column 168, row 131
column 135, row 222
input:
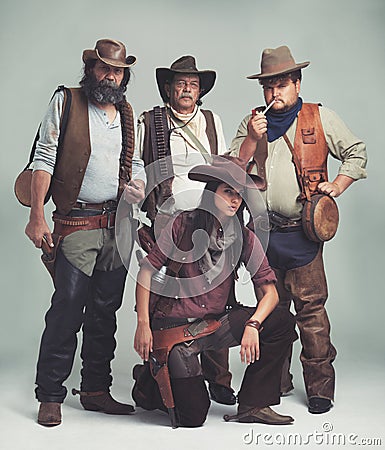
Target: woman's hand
column 250, row 345
column 143, row 341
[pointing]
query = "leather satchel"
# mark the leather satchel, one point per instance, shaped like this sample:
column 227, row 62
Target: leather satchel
column 22, row 186
column 310, row 152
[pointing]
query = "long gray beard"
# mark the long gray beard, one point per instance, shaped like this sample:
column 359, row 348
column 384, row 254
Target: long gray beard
column 103, row 92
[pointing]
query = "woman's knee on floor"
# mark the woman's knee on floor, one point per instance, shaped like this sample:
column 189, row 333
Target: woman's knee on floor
column 191, row 400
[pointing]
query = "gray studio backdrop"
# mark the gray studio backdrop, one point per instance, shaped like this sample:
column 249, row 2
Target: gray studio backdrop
column 41, row 45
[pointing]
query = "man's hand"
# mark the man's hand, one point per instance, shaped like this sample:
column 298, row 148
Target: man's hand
column 134, row 191
column 336, row 187
column 257, row 127
column 250, row 345
column 331, row 189
column 37, row 230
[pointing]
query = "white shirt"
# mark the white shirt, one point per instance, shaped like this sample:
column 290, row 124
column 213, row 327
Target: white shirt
column 185, row 155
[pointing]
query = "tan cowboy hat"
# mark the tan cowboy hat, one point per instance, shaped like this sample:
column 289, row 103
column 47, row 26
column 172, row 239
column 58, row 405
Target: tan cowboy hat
column 186, row 65
column 110, row 52
column 277, row 61
column 224, row 169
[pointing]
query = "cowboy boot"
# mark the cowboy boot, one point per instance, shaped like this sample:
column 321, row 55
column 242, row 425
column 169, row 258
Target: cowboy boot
column 49, row 414
column 259, row 415
column 102, row 401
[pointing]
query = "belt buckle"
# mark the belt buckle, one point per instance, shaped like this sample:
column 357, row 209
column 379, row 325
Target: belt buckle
column 109, row 207
column 108, row 212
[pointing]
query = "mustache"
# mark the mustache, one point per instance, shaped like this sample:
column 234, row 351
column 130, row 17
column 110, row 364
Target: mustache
column 104, row 91
column 107, row 83
column 186, row 95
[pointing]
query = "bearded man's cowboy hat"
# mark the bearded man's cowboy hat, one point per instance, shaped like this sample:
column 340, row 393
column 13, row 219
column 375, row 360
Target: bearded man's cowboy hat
column 277, row 61
column 184, row 65
column 110, row 52
column 225, row 169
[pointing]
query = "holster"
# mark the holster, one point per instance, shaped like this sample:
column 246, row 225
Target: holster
column 163, row 342
column 49, row 254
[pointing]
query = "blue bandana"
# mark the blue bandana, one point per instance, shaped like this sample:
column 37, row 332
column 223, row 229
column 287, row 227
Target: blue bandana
column 279, row 123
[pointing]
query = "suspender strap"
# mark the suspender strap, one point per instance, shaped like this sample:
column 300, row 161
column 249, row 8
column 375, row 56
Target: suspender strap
column 211, row 131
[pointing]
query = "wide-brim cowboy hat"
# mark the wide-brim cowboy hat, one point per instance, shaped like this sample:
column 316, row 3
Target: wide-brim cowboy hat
column 110, row 52
column 184, row 65
column 277, row 61
column 224, row 169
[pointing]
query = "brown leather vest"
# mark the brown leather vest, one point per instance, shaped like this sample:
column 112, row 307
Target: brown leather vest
column 75, row 153
column 310, row 152
column 161, row 191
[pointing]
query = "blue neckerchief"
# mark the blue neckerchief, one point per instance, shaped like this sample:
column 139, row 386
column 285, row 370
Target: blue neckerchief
column 279, row 123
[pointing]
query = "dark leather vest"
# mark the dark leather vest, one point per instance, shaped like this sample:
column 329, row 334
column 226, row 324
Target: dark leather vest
column 75, row 152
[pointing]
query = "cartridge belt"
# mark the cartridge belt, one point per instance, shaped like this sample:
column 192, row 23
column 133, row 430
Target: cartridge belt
column 65, row 225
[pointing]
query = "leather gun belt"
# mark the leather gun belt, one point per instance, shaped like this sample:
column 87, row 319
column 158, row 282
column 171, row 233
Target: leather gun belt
column 65, row 225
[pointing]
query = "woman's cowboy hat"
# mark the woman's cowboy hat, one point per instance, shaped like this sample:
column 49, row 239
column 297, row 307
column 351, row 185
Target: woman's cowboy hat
column 184, row 65
column 224, row 169
column 110, row 52
column 277, row 61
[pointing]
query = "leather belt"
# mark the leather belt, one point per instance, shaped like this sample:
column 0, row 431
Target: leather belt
column 286, row 228
column 282, row 224
column 105, row 206
column 65, row 225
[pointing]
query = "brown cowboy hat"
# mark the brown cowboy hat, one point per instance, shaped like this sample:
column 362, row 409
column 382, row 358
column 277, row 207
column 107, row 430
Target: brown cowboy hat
column 110, row 52
column 277, row 61
column 224, row 169
column 185, row 65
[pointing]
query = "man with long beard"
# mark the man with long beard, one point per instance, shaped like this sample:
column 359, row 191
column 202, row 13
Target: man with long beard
column 86, row 174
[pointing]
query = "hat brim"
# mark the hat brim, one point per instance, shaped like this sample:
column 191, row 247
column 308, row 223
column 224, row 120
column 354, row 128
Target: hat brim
column 279, row 72
column 94, row 54
column 207, row 79
column 206, row 173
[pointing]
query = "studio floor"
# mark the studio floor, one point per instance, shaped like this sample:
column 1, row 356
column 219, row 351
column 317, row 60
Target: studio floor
column 356, row 419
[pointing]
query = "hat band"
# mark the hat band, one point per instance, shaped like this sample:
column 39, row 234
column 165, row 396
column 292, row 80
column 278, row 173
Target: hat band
column 272, row 68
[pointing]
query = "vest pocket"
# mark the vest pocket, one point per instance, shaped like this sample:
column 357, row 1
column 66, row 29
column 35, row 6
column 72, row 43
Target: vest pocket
column 308, row 135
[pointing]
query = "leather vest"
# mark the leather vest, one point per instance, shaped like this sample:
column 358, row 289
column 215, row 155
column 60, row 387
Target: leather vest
column 310, row 152
column 75, row 152
column 162, row 191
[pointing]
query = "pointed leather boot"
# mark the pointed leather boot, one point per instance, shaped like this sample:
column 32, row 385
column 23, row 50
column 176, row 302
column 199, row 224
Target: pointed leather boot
column 49, row 414
column 259, row 415
column 102, row 401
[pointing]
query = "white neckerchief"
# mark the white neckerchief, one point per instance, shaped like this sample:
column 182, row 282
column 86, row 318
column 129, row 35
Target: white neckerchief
column 197, row 124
